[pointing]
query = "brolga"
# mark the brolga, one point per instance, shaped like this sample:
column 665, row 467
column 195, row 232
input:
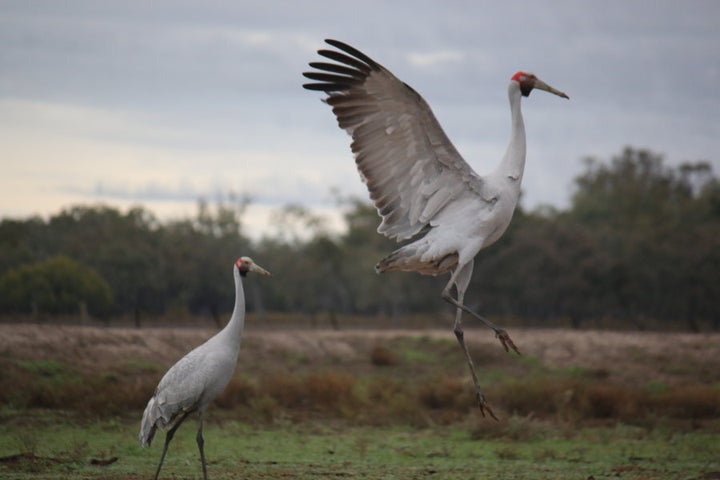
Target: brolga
column 200, row 376
column 424, row 191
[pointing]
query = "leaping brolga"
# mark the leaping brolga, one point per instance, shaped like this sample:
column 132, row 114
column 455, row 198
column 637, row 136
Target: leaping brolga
column 200, row 376
column 422, row 188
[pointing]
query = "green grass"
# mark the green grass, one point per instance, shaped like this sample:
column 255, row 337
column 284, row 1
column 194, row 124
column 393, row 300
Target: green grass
column 45, row 368
column 135, row 365
column 50, row 372
column 65, row 448
column 392, row 408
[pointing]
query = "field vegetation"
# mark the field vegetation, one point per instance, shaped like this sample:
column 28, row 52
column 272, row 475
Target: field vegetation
column 367, row 403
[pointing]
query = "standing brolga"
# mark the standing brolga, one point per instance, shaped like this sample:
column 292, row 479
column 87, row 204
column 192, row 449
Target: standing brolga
column 200, row 376
column 422, row 188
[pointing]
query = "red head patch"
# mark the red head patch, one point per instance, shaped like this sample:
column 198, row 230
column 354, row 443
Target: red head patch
column 521, row 76
column 526, row 81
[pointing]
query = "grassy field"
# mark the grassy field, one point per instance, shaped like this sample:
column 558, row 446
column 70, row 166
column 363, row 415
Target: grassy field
column 64, row 449
column 370, row 404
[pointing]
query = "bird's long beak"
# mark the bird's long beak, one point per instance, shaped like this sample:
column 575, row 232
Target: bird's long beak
column 254, row 267
column 544, row 86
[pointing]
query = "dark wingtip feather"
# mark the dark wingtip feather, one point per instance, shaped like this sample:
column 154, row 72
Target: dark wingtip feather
column 324, row 87
column 352, row 69
column 354, row 52
column 361, row 67
column 334, row 67
column 332, row 78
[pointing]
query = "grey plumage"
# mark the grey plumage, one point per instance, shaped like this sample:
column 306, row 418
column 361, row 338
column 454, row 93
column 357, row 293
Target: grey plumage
column 189, row 386
column 199, row 377
column 423, row 189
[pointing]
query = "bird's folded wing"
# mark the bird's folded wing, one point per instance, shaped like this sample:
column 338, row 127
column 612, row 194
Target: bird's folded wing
column 181, row 388
column 410, row 167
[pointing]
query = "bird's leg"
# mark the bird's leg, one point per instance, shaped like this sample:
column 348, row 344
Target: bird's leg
column 168, row 437
column 201, row 444
column 500, row 333
column 461, row 280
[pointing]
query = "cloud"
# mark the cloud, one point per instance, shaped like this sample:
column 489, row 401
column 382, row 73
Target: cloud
column 76, row 121
column 269, row 191
column 92, row 154
column 183, row 192
column 165, row 102
column 432, row 59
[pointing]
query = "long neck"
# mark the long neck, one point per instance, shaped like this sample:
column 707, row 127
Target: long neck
column 234, row 327
column 513, row 163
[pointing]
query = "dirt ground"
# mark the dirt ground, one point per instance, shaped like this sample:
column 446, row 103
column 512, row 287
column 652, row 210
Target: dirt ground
column 671, row 358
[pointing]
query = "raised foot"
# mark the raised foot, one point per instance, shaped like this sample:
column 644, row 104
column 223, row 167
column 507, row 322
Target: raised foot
column 484, row 406
column 506, row 341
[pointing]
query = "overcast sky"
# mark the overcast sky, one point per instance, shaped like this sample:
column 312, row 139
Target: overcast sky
column 160, row 103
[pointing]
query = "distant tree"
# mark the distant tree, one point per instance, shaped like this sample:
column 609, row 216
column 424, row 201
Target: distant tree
column 125, row 248
column 631, row 192
column 204, row 250
column 546, row 267
column 641, row 240
column 305, row 259
column 654, row 222
column 295, row 223
column 21, row 241
column 57, row 285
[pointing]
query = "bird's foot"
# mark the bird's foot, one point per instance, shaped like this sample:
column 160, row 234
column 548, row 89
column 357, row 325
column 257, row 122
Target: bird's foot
column 506, row 341
column 484, row 405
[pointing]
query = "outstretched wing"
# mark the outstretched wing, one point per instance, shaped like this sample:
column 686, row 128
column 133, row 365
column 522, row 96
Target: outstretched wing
column 410, row 167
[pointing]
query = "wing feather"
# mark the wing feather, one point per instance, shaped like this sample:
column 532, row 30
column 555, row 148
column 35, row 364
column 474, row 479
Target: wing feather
column 411, row 169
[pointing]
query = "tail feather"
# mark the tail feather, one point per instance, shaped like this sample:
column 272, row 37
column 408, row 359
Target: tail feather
column 409, row 259
column 161, row 415
column 148, row 426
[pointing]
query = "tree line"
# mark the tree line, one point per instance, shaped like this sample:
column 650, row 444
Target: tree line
column 640, row 241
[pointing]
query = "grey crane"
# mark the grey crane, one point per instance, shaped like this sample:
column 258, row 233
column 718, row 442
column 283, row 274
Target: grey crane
column 200, row 376
column 423, row 190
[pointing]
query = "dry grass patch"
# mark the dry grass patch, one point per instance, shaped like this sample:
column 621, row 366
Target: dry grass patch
column 382, row 356
column 693, row 402
column 374, row 377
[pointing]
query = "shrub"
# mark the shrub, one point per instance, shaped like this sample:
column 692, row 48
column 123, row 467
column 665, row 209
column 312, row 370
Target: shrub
column 608, row 401
column 329, row 389
column 538, row 396
column 239, row 392
column 691, row 402
column 287, row 390
column 56, row 285
column 381, row 356
column 444, row 393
